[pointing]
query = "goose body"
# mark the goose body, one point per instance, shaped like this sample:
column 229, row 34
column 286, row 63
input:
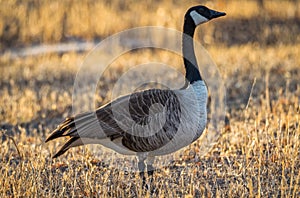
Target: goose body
column 186, row 123
column 151, row 122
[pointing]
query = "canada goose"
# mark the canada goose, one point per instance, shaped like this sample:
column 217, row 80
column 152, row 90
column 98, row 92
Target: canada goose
column 133, row 125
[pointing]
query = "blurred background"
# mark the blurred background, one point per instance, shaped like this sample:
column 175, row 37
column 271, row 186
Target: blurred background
column 44, row 42
column 24, row 23
column 256, row 48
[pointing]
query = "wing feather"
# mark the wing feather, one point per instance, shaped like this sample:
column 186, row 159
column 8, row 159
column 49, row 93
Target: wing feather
column 132, row 111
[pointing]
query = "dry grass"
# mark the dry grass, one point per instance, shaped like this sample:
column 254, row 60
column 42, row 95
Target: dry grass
column 257, row 155
column 28, row 22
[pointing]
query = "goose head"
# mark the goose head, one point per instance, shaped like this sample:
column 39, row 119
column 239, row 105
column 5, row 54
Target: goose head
column 201, row 14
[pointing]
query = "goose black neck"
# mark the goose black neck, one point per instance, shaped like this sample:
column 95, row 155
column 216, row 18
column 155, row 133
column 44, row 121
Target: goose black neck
column 189, row 58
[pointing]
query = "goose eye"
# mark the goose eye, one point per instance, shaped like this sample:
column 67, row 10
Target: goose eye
column 200, row 10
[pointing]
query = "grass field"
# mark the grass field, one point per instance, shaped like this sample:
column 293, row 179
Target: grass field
column 256, row 50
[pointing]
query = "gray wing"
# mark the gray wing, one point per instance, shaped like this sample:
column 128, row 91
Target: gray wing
column 129, row 117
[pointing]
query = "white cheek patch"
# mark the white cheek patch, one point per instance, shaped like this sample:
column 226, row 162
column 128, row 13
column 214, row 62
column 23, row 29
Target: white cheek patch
column 197, row 18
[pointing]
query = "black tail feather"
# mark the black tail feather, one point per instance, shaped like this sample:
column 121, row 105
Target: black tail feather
column 62, row 130
column 74, row 141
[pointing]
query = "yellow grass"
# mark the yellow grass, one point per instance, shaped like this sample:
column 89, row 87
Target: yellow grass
column 259, row 151
column 257, row 154
column 53, row 21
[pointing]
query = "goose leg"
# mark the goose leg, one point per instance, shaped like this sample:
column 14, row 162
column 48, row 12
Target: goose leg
column 150, row 168
column 141, row 166
column 150, row 171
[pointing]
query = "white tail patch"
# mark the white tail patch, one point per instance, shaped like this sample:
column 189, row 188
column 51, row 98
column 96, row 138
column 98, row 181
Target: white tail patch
column 198, row 18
